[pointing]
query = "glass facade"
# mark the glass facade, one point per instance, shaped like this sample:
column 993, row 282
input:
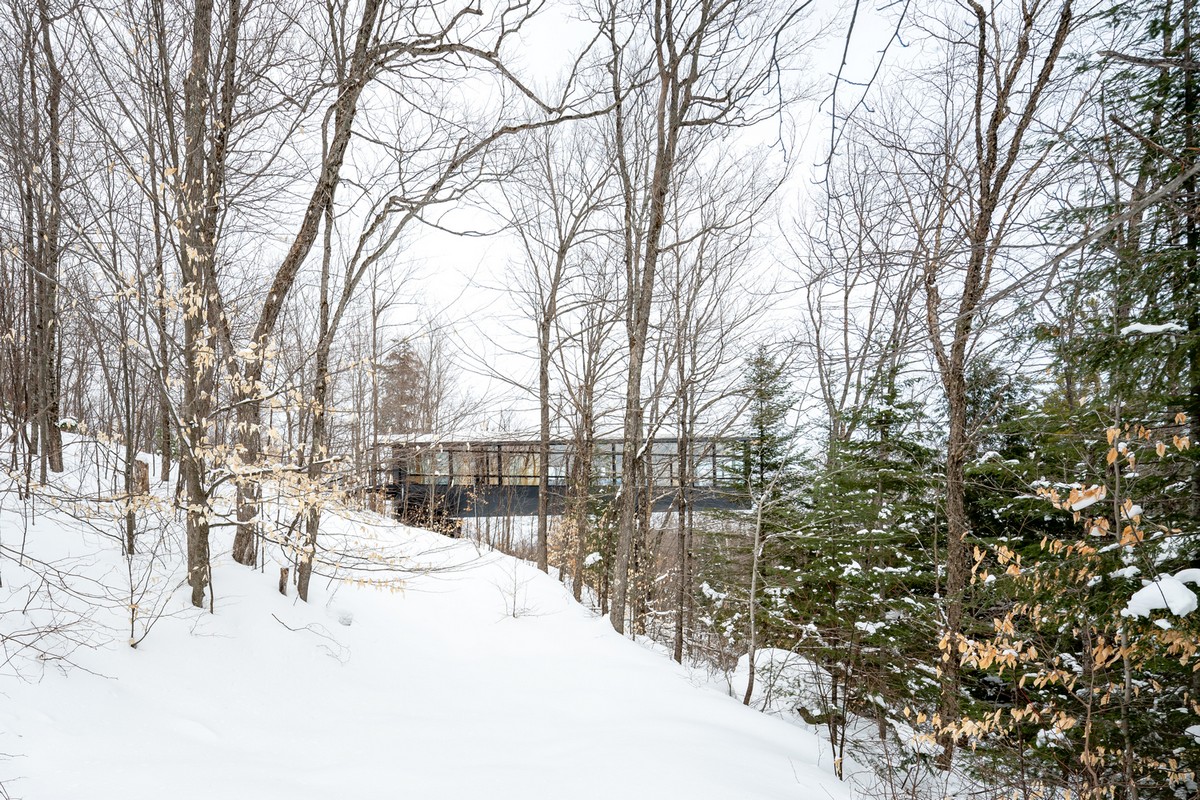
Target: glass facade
column 715, row 463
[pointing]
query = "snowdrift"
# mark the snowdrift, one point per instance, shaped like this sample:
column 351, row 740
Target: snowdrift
column 477, row 676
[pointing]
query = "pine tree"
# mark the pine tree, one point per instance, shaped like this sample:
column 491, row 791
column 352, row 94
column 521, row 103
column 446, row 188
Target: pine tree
column 1133, row 307
column 858, row 575
column 733, row 560
column 771, row 457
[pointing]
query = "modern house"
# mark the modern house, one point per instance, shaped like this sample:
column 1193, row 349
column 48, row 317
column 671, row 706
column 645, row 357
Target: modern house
column 498, row 474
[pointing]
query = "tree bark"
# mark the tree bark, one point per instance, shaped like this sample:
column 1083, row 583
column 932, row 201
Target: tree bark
column 993, row 164
column 580, row 498
column 752, row 601
column 248, row 393
column 543, row 546
column 641, row 269
column 1191, row 210
column 199, row 344
column 317, row 451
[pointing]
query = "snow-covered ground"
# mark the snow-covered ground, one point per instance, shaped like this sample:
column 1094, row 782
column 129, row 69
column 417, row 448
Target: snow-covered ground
column 479, row 677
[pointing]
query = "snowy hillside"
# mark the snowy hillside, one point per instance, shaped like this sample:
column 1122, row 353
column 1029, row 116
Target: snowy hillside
column 479, row 677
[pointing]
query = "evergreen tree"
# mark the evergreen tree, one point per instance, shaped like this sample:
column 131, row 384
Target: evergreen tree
column 770, row 451
column 1132, row 310
column 858, row 574
column 1085, row 695
column 734, row 558
column 402, row 399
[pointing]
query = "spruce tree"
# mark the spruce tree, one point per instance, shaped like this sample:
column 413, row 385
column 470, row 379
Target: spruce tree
column 770, row 450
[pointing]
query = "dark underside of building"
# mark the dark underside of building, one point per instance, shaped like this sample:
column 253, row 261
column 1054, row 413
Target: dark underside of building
column 428, row 479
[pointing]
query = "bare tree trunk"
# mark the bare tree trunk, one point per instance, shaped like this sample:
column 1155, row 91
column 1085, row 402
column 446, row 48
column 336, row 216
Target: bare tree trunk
column 129, row 415
column 640, row 280
column 320, row 397
column 682, row 532
column 993, row 164
column 580, row 498
column 199, row 345
column 248, row 395
column 957, row 566
column 164, row 402
column 683, row 87
column 36, row 152
column 752, row 600
column 1191, row 212
column 544, row 434
column 48, row 276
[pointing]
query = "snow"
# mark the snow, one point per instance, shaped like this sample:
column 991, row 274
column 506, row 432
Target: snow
column 1147, row 330
column 913, row 741
column 592, row 559
column 479, row 677
column 794, row 688
column 1081, row 499
column 1051, row 737
column 1188, row 575
column 783, row 680
column 1165, row 592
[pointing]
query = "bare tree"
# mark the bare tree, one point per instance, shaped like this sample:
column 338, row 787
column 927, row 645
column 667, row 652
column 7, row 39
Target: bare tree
column 859, row 280
column 710, row 307
column 38, row 163
column 407, row 58
column 553, row 206
column 587, row 361
column 973, row 173
column 701, row 69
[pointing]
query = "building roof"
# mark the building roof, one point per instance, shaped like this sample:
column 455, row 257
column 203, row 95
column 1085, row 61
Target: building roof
column 481, row 438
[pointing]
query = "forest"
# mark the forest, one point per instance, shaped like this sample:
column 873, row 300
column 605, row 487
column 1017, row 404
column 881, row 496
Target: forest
column 849, row 353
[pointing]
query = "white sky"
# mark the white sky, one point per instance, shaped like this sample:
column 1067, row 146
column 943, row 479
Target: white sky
column 462, row 279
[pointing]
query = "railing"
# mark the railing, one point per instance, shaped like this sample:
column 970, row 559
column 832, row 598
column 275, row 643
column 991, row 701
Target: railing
column 715, row 464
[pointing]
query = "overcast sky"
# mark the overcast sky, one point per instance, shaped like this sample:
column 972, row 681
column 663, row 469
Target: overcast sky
column 461, row 280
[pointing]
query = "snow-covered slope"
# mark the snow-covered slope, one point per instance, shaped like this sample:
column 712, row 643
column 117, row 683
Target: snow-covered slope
column 481, row 677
